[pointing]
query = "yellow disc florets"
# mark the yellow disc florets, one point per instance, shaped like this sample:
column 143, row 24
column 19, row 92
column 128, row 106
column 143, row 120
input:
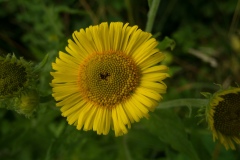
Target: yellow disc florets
column 108, row 78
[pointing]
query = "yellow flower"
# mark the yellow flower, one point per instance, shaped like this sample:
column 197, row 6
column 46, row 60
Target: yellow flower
column 223, row 116
column 110, row 78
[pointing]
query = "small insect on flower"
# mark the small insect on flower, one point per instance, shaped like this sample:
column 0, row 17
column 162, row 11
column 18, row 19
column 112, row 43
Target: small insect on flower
column 223, row 116
column 110, row 77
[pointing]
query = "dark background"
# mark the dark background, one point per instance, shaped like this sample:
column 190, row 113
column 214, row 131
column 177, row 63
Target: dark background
column 207, row 52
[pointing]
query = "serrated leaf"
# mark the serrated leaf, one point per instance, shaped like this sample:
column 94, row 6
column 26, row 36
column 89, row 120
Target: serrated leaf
column 168, row 127
column 167, row 43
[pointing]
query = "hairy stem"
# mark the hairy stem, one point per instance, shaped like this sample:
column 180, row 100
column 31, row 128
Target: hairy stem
column 152, row 14
column 192, row 102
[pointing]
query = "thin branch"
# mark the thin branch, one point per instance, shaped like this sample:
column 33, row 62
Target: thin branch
column 88, row 9
column 192, row 102
column 152, row 14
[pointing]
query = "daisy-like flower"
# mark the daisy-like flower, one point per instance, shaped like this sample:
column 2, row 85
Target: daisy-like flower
column 110, row 78
column 223, row 116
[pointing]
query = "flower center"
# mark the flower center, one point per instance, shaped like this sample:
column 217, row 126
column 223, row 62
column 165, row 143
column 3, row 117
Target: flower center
column 108, row 78
column 13, row 77
column 227, row 115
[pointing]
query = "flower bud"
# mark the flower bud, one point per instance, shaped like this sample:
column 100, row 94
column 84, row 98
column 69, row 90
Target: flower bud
column 27, row 102
column 14, row 76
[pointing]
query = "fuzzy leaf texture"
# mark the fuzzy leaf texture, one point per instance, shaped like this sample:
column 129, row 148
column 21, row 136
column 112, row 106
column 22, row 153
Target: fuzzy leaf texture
column 168, row 127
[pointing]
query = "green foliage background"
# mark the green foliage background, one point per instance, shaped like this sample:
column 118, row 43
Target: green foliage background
column 207, row 51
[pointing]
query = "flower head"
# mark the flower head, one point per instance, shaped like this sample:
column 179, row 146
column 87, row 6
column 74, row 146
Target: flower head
column 14, row 75
column 18, row 85
column 223, row 116
column 110, row 78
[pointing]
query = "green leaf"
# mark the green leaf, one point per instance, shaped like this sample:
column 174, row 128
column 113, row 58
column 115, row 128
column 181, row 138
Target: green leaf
column 167, row 43
column 168, row 127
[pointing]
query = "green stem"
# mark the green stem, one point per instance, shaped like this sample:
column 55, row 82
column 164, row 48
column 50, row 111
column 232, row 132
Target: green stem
column 129, row 12
column 192, row 102
column 152, row 14
column 126, row 149
column 44, row 99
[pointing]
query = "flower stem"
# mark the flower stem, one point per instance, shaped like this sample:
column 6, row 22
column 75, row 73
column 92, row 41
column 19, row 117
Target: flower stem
column 192, row 102
column 152, row 14
column 126, row 149
column 129, row 12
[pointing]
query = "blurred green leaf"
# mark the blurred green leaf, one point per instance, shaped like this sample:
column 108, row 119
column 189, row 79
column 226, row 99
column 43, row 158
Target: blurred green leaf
column 168, row 127
column 167, row 43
